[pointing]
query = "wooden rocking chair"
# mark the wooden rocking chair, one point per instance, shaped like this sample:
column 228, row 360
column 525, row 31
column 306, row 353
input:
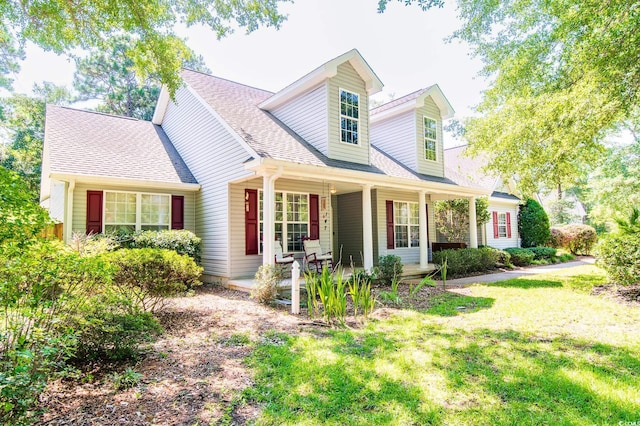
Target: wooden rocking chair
column 315, row 257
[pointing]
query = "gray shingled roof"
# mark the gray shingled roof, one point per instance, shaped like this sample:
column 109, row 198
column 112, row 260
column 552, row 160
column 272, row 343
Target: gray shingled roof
column 238, row 104
column 467, row 171
column 406, row 98
column 96, row 144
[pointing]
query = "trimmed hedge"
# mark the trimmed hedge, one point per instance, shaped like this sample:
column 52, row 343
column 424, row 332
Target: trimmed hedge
column 558, row 238
column 520, row 256
column 619, row 255
column 580, row 239
column 147, row 276
column 181, row 241
column 543, row 253
column 533, row 224
column 469, row 260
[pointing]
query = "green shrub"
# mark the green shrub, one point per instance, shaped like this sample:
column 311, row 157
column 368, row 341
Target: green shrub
column 389, row 268
column 580, row 239
column 557, row 238
column 148, row 276
column 128, row 379
column 469, row 260
column 109, row 327
column 520, row 256
column 39, row 285
column 533, row 224
column 180, row 241
column 619, row 255
column 267, row 280
column 543, row 253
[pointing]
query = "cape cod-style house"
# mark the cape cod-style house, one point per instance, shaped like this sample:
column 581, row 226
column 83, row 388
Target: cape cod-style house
column 243, row 168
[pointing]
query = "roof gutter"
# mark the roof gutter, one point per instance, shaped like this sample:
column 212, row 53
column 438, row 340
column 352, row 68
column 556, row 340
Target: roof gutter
column 124, row 182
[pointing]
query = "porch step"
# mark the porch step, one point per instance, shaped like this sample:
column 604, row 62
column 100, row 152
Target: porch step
column 412, row 270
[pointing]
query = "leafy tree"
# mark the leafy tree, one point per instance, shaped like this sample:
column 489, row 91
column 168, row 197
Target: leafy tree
column 62, row 26
column 560, row 212
column 615, row 183
column 21, row 219
column 533, row 224
column 22, row 121
column 452, row 217
column 108, row 75
column 563, row 75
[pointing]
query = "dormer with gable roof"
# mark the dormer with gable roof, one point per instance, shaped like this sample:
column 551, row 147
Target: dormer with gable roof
column 410, row 129
column 329, row 107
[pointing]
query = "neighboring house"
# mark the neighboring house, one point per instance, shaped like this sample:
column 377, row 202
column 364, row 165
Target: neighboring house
column 242, row 167
column 502, row 229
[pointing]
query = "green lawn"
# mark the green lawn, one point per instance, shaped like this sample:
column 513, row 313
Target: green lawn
column 539, row 350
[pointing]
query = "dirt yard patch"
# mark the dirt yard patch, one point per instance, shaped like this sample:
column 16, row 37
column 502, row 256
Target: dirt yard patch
column 195, row 372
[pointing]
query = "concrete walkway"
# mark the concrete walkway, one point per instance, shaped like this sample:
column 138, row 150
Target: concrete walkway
column 517, row 273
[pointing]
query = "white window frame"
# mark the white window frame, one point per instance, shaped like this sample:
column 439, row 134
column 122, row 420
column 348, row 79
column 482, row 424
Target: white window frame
column 138, row 224
column 502, row 225
column 341, row 116
column 285, row 222
column 408, row 225
column 426, row 139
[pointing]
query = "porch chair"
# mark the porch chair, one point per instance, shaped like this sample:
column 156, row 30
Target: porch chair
column 313, row 255
column 280, row 257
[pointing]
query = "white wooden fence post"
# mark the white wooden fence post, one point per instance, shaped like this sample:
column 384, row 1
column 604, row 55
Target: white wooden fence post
column 295, row 288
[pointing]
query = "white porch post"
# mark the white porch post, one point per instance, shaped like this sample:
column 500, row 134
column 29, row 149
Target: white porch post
column 473, row 226
column 367, row 228
column 268, row 214
column 422, row 220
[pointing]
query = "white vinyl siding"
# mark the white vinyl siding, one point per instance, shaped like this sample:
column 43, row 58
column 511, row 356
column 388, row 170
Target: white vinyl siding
column 348, row 79
column 80, row 203
column 214, row 157
column 502, row 209
column 396, row 137
column 245, row 266
column 307, row 116
column 428, row 167
column 57, row 199
column 408, row 255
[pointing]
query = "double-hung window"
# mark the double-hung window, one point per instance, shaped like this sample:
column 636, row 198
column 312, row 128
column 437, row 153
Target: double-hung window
column 502, row 225
column 291, row 219
column 430, row 138
column 406, row 224
column 134, row 211
column 349, row 117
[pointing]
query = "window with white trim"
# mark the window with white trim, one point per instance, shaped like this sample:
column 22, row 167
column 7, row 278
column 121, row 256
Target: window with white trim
column 349, row 117
column 136, row 211
column 291, row 219
column 502, row 225
column 430, row 138
column 406, row 224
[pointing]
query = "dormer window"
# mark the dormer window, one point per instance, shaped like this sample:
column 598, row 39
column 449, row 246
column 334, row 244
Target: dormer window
column 349, row 117
column 430, row 138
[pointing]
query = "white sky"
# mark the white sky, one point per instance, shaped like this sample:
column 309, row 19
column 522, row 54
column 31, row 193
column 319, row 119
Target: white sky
column 405, row 47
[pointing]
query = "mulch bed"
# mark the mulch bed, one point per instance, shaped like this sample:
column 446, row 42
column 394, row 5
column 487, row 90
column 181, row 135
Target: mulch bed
column 627, row 294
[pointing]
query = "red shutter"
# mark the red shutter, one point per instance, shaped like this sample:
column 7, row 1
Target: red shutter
column 495, row 225
column 508, row 225
column 314, row 217
column 251, row 221
column 94, row 212
column 177, row 212
column 390, row 229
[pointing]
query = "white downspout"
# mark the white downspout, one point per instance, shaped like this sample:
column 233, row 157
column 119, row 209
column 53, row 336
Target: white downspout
column 68, row 216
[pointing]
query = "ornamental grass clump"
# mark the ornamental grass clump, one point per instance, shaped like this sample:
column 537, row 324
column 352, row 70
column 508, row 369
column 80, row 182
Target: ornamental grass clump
column 267, row 281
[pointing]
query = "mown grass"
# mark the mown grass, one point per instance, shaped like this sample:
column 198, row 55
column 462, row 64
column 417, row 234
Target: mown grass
column 536, row 350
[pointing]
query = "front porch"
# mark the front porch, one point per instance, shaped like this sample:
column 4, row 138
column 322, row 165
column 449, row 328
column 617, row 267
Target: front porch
column 411, row 270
